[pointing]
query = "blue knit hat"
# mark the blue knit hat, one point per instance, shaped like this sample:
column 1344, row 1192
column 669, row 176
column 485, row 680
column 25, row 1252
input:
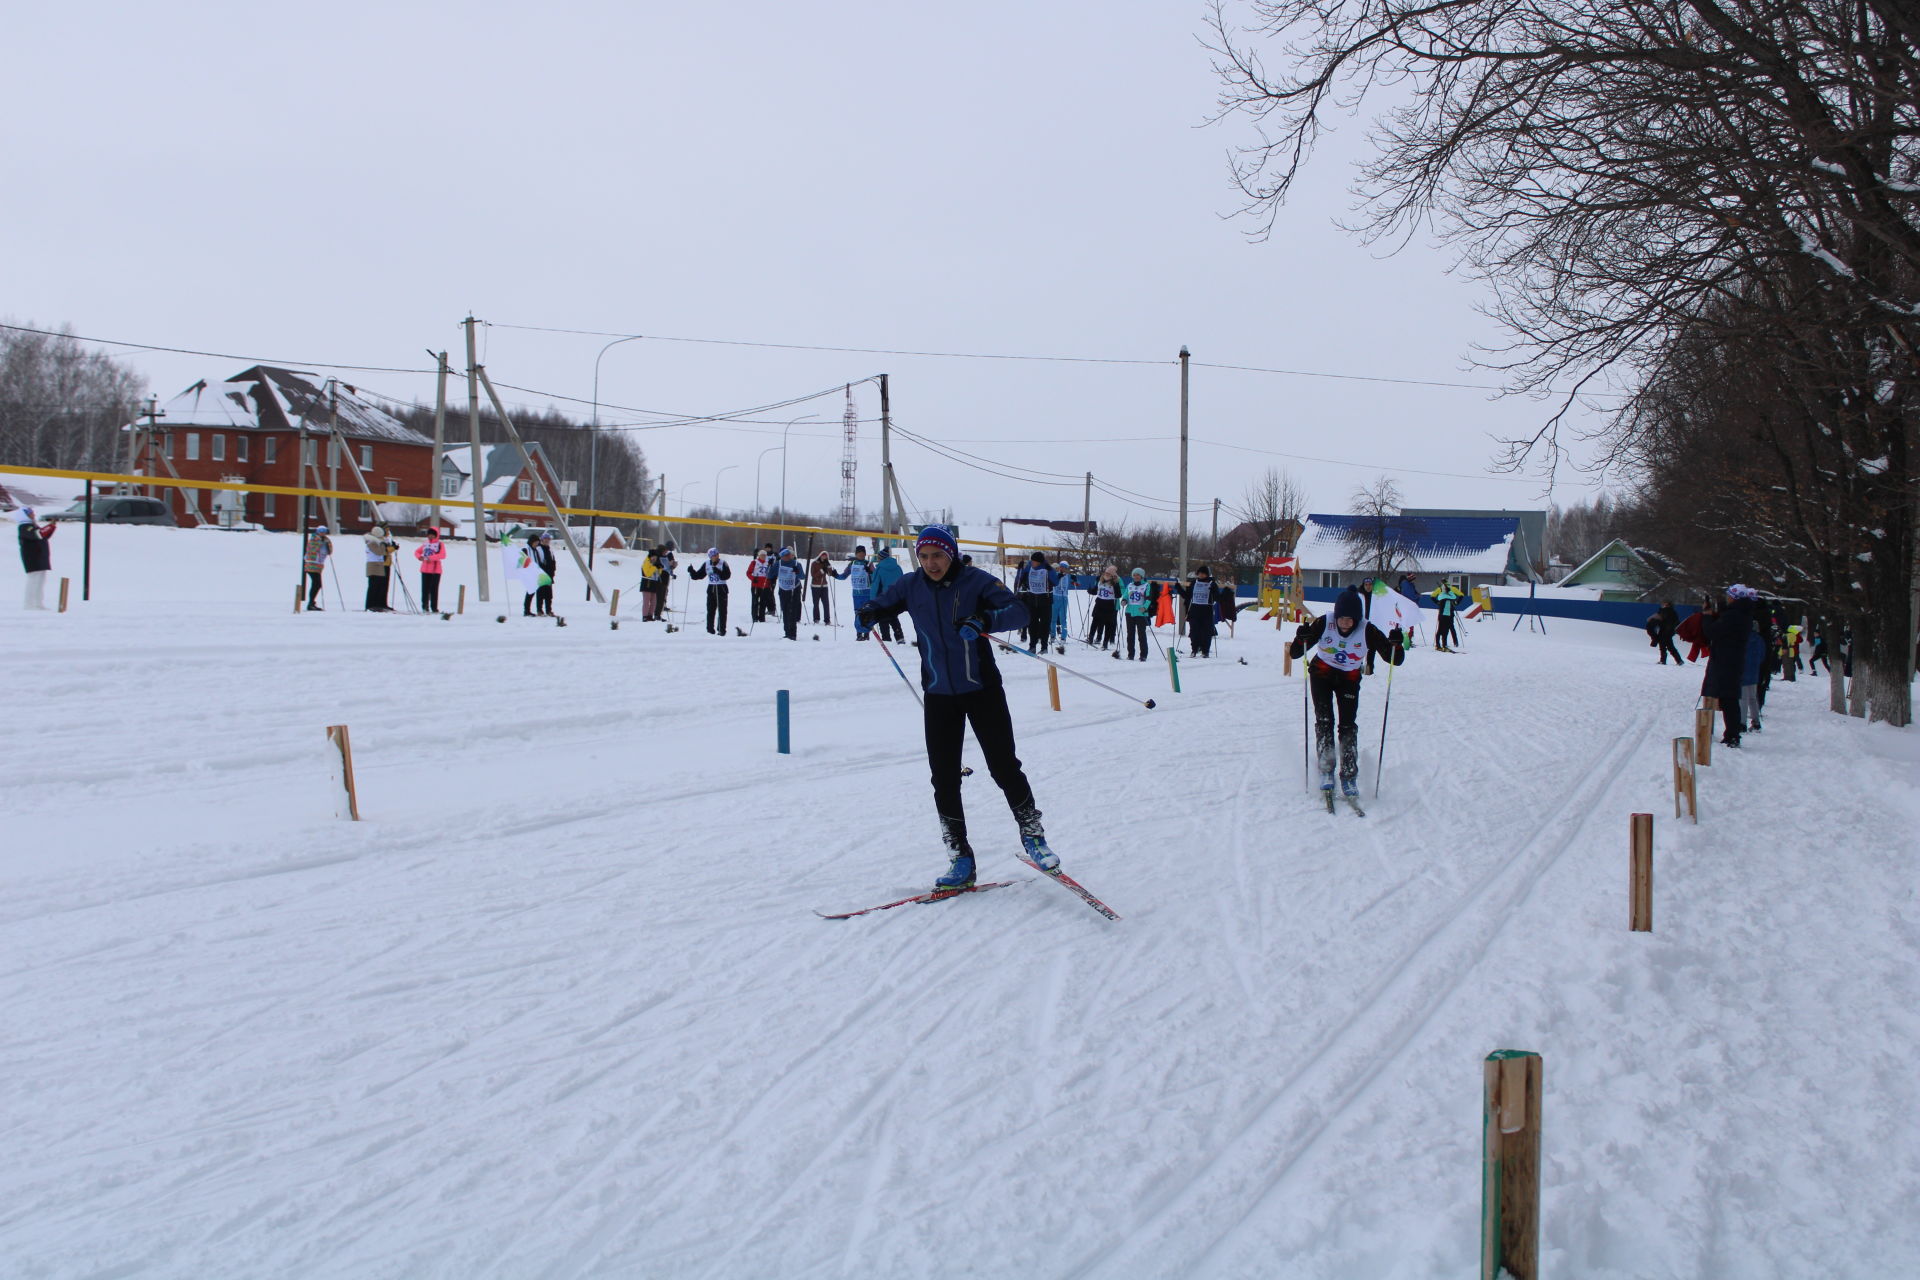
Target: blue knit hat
column 938, row 535
column 1349, row 606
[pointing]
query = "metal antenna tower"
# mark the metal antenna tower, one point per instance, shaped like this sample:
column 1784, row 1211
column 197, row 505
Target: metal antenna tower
column 849, row 459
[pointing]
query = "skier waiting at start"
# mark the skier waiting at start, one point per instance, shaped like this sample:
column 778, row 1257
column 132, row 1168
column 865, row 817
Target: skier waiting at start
column 1333, row 677
column 954, row 608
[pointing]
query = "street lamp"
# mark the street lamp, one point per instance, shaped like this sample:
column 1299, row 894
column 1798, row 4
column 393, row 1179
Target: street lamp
column 783, row 458
column 756, row 474
column 593, row 455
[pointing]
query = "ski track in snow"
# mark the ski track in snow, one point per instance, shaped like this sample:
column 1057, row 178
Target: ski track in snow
column 560, row 1006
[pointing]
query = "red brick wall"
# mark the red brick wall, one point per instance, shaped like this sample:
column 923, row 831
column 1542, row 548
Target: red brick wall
column 409, row 465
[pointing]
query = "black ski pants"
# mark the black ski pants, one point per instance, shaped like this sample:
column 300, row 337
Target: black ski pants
column 790, row 612
column 1333, row 691
column 822, row 606
column 1105, row 624
column 313, row 589
column 947, row 716
column 1666, row 647
column 1443, row 633
column 376, row 592
column 543, row 601
column 1200, row 630
column 716, row 609
column 1137, row 631
column 430, row 593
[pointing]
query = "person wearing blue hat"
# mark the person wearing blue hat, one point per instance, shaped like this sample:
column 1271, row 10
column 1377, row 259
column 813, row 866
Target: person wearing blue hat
column 1340, row 653
column 954, row 608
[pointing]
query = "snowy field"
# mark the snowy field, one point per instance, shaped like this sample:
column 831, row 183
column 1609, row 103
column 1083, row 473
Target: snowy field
column 560, row 1005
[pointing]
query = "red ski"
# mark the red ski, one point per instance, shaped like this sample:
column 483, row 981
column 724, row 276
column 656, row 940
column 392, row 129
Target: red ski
column 937, row 895
column 1068, row 882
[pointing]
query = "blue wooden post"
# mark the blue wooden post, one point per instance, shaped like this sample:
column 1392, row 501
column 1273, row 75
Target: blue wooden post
column 781, row 712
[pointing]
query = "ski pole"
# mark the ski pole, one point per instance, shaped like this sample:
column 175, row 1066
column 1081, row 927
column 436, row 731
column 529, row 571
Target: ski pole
column 1380, row 761
column 1306, row 712
column 1148, row 703
column 882, row 642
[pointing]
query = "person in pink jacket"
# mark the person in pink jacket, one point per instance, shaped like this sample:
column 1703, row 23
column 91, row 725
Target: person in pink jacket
column 432, row 554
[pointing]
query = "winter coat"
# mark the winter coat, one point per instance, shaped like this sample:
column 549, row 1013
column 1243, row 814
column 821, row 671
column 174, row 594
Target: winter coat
column 543, row 556
column 35, row 555
column 653, row 576
column 1726, row 638
column 757, row 573
column 950, row 664
column 1308, row 637
column 886, row 572
column 1447, row 599
column 432, row 556
column 861, row 571
column 789, row 575
column 1141, row 597
column 1669, row 620
column 818, row 571
column 319, row 547
column 379, row 555
column 716, row 572
column 1041, row 586
column 1105, row 588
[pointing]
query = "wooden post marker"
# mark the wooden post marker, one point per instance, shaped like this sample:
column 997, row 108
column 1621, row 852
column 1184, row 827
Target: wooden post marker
column 1053, row 687
column 613, row 609
column 64, row 582
column 1510, row 1172
column 1685, row 803
column 1640, row 879
column 1703, row 736
column 337, row 735
column 298, row 593
column 463, row 599
column 1286, row 661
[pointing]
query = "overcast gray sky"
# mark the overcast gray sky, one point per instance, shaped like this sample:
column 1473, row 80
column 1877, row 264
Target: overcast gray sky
column 344, row 183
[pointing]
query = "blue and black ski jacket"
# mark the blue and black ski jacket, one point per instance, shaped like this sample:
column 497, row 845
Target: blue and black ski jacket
column 949, row 664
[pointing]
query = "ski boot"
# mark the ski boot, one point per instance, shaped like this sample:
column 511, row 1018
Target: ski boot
column 1349, row 788
column 1326, row 780
column 1034, row 840
column 959, row 875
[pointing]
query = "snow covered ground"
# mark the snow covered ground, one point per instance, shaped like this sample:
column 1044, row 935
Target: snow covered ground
column 560, row 1005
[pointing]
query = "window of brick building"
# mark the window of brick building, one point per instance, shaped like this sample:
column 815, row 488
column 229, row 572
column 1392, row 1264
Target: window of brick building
column 193, row 446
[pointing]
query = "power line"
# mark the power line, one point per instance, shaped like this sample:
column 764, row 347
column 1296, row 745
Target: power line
column 216, row 355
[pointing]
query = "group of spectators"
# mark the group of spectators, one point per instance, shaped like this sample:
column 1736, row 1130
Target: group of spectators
column 1747, row 641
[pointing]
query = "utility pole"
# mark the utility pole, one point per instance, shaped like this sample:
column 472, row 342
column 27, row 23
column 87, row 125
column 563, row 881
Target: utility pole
column 1216, row 524
column 439, row 435
column 886, row 459
column 1184, row 357
column 1086, row 516
column 333, row 450
column 479, row 468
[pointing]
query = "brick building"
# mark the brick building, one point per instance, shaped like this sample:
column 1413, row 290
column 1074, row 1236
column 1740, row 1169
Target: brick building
column 247, row 430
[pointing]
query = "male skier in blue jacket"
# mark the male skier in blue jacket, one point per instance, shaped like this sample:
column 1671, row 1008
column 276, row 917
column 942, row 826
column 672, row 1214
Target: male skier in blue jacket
column 953, row 609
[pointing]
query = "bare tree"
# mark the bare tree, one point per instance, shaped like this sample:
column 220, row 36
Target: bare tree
column 1629, row 175
column 62, row 406
column 1383, row 542
column 1272, row 506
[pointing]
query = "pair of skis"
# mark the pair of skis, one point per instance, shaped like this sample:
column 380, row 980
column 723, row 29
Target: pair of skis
column 1353, row 802
column 941, row 895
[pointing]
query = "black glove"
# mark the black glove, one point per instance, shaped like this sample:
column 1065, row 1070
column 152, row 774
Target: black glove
column 867, row 616
column 973, row 626
column 1396, row 638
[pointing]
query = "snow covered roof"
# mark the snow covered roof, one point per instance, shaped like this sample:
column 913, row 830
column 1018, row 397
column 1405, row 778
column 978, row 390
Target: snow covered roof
column 264, row 398
column 1440, row 544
